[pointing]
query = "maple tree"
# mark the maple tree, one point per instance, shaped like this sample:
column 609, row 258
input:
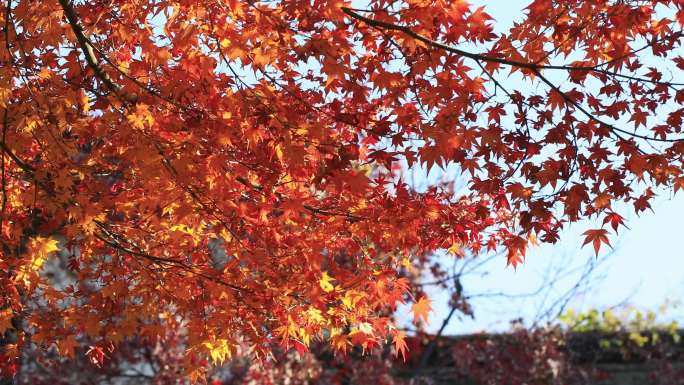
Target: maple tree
column 235, row 168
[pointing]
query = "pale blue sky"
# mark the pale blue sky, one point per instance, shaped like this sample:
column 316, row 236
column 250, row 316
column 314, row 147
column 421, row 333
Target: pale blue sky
column 644, row 270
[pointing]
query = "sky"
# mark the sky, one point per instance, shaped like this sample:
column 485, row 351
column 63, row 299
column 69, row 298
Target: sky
column 644, row 270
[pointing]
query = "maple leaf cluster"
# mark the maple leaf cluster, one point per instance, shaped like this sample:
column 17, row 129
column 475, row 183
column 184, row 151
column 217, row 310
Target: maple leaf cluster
column 235, row 169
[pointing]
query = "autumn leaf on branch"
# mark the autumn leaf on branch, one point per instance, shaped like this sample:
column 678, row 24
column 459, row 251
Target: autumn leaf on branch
column 421, row 309
column 596, row 237
column 400, row 346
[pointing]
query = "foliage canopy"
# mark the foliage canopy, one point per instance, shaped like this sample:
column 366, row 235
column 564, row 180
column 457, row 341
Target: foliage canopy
column 236, row 168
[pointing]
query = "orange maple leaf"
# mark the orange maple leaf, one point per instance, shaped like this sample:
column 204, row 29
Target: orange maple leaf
column 400, row 345
column 421, row 309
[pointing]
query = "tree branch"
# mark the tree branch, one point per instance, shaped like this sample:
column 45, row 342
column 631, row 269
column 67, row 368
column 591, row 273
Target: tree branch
column 89, row 53
column 477, row 56
column 533, row 67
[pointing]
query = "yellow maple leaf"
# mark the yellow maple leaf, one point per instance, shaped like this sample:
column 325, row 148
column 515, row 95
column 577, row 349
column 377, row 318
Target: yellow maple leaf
column 141, row 117
column 39, row 250
column 219, row 350
column 351, row 299
column 44, row 73
column 455, row 249
column 314, row 316
column 325, row 282
column 85, row 101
